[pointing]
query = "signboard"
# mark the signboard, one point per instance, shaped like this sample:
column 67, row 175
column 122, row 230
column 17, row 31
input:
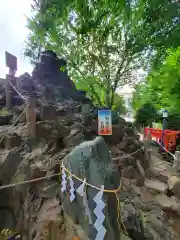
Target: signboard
column 11, row 61
column 165, row 114
column 104, row 122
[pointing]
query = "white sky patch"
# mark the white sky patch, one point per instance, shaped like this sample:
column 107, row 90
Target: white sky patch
column 13, row 33
column 139, row 75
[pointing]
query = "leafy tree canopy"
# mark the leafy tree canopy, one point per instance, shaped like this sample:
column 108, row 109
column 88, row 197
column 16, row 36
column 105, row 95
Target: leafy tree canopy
column 162, row 87
column 104, row 41
column 145, row 115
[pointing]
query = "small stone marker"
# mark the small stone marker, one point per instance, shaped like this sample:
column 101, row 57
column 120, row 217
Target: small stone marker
column 176, row 163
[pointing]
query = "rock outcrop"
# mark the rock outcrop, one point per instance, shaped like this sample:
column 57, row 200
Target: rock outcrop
column 91, row 161
column 66, row 131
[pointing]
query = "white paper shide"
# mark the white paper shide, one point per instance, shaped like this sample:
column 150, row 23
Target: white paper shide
column 82, row 192
column 101, row 231
column 64, row 181
column 72, row 189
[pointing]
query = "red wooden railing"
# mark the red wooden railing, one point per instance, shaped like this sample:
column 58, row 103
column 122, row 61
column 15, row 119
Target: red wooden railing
column 169, row 136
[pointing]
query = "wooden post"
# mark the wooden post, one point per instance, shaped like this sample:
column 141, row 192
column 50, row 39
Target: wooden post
column 147, row 144
column 176, row 163
column 149, row 138
column 144, row 135
column 11, row 63
column 31, row 116
column 8, row 94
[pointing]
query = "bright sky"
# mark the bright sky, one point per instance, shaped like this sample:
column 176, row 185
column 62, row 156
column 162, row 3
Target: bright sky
column 13, row 32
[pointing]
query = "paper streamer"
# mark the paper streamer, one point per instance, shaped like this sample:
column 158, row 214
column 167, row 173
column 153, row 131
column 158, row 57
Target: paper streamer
column 86, row 208
column 72, row 190
column 64, row 182
column 101, row 231
column 81, row 191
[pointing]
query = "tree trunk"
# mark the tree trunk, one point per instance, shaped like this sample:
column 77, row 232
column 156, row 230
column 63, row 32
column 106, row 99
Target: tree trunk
column 108, row 92
column 108, row 98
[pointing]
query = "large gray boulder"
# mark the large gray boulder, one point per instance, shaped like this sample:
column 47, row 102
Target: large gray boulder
column 91, row 160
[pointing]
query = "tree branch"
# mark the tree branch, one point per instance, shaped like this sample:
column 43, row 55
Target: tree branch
column 90, row 85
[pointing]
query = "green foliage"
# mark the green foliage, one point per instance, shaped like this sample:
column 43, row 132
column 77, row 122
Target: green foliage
column 62, row 68
column 162, row 24
column 103, row 41
column 162, row 87
column 97, row 94
column 173, row 121
column 119, row 104
column 145, row 115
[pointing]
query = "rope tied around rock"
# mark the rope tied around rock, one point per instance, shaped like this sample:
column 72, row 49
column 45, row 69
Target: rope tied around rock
column 24, row 98
column 128, row 155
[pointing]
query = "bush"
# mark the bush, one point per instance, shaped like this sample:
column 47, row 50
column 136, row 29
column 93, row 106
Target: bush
column 173, row 121
column 145, row 115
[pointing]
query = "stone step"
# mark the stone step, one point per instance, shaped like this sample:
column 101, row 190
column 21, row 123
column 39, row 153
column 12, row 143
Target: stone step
column 168, row 204
column 156, row 186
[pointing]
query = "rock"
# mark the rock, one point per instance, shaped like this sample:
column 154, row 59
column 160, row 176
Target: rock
column 25, row 84
column 9, row 164
column 135, row 207
column 48, row 70
column 140, row 168
column 5, row 119
column 129, row 132
column 117, row 135
column 52, row 129
column 49, row 190
column 156, row 186
column 161, row 169
column 86, row 109
column 11, row 198
column 128, row 172
column 74, row 139
column 91, row 160
column 124, row 237
column 36, row 171
column 61, row 113
column 168, row 204
column 174, row 185
column 22, row 119
column 2, row 100
column 17, row 101
column 2, row 89
column 132, row 221
column 87, row 113
column 156, row 226
column 12, row 140
column 17, row 109
column 48, row 113
column 176, row 163
column 7, row 218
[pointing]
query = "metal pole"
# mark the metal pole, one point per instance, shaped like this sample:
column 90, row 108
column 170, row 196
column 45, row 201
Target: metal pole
column 163, row 128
